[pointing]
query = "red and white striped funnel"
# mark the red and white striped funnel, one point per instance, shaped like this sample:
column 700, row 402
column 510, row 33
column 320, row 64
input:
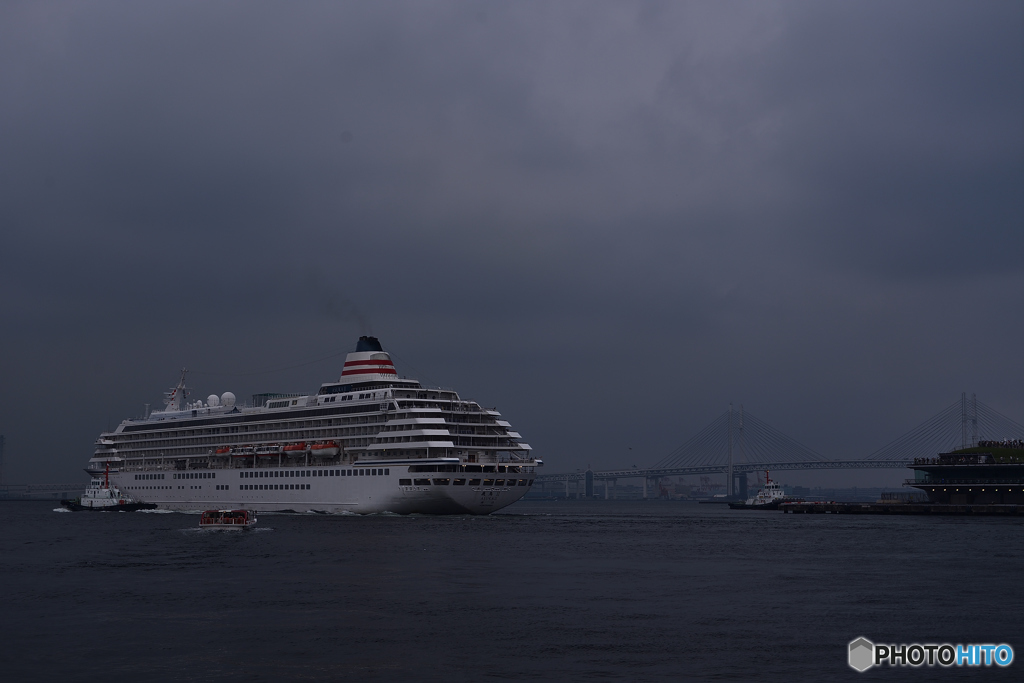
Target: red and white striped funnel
column 369, row 362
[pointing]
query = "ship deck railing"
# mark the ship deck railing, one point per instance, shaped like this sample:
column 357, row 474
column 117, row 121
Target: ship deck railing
column 976, row 482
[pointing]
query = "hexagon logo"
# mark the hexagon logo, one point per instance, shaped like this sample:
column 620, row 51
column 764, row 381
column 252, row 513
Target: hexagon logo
column 862, row 654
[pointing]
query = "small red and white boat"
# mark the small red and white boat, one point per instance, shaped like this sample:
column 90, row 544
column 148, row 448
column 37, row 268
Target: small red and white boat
column 325, row 449
column 227, row 519
column 295, row 448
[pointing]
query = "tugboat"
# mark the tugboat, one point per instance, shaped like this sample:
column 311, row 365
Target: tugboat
column 102, row 497
column 768, row 498
column 227, row 519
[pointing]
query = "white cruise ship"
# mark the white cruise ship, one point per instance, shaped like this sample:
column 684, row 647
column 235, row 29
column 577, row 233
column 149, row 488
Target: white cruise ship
column 370, row 442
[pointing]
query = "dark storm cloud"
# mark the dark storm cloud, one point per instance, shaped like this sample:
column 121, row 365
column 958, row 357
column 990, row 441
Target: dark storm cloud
column 620, row 214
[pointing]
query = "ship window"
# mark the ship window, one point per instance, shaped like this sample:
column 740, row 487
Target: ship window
column 488, row 482
column 405, row 482
column 474, row 482
column 459, row 482
column 373, row 472
column 350, row 473
column 530, row 483
column 422, row 482
column 387, row 471
column 522, row 482
column 441, row 482
column 500, row 482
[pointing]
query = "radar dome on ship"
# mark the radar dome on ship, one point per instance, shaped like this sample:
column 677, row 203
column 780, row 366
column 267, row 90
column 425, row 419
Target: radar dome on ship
column 228, row 399
column 213, row 400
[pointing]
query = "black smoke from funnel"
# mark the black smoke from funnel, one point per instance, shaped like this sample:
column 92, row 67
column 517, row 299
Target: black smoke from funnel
column 337, row 306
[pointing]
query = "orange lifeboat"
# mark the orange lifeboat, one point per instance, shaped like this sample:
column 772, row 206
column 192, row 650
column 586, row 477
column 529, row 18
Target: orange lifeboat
column 223, row 450
column 325, row 449
column 295, row 448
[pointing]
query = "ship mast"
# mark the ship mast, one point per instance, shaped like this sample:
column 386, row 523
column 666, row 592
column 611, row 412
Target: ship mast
column 173, row 397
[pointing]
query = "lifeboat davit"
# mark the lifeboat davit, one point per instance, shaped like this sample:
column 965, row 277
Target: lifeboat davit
column 326, row 449
column 295, row 448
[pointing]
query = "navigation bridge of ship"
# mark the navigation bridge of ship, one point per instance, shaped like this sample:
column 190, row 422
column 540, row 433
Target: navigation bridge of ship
column 738, row 443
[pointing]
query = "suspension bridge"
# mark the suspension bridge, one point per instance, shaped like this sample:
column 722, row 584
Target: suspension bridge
column 738, row 443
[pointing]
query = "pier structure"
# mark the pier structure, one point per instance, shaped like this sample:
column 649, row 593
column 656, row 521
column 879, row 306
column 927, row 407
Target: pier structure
column 40, row 491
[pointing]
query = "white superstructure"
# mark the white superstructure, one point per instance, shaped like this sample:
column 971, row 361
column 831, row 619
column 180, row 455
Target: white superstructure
column 370, row 442
column 770, row 493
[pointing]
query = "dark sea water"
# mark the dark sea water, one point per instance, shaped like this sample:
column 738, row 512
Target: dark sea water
column 605, row 590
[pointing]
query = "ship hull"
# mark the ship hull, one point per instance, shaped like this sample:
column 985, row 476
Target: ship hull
column 126, row 507
column 774, row 505
column 265, row 490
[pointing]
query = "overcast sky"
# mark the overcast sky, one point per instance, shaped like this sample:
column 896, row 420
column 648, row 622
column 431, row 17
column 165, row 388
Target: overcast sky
column 608, row 220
